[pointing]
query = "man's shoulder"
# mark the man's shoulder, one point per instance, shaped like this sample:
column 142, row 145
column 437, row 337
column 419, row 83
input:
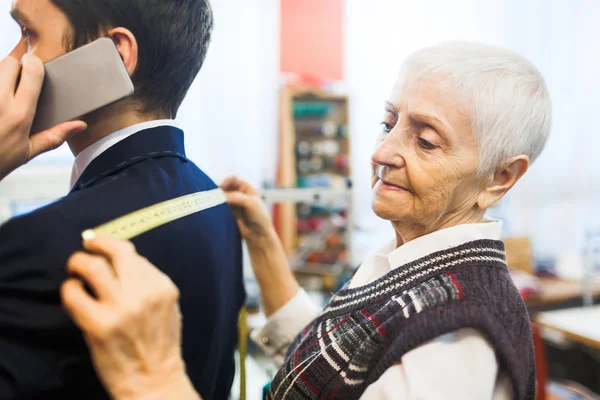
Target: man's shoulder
column 128, row 190
column 47, row 223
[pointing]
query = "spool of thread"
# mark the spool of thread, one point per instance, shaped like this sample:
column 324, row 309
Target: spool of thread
column 343, row 256
column 309, row 127
column 318, row 180
column 311, row 108
column 333, row 240
column 304, row 210
column 337, row 182
column 315, row 223
column 303, row 148
column 342, row 162
column 329, row 129
column 304, row 166
column 317, row 148
column 303, row 225
column 319, row 210
column 302, row 181
column 324, row 180
column 313, row 258
column 316, row 164
column 330, row 147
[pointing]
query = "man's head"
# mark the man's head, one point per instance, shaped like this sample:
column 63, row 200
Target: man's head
column 170, row 40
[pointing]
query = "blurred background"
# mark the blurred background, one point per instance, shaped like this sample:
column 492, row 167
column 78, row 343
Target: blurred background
column 291, row 96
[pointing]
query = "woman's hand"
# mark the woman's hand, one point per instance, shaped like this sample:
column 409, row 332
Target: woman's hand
column 17, row 110
column 269, row 261
column 132, row 326
column 252, row 216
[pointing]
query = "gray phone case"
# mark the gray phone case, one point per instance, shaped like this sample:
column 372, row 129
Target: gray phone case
column 79, row 82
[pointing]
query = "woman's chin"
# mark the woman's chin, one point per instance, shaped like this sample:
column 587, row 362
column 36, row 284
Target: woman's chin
column 384, row 210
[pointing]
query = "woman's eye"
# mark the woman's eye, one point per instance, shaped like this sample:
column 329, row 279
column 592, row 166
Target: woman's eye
column 424, row 144
column 387, row 127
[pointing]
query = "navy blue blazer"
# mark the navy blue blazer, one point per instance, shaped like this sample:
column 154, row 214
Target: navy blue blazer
column 42, row 353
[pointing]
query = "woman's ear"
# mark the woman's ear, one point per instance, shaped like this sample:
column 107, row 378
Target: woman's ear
column 503, row 180
column 127, row 46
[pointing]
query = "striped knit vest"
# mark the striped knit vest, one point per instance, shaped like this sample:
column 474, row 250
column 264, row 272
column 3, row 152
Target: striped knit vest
column 365, row 330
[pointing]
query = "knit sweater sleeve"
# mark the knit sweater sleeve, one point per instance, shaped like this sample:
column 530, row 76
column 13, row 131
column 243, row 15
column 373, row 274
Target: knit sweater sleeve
column 284, row 325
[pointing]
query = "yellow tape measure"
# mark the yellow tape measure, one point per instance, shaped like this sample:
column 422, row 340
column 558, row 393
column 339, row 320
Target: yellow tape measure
column 146, row 219
column 243, row 349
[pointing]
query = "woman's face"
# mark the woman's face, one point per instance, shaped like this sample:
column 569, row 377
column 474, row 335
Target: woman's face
column 426, row 161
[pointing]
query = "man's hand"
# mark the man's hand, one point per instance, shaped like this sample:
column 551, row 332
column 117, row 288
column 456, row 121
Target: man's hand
column 17, row 109
column 132, row 325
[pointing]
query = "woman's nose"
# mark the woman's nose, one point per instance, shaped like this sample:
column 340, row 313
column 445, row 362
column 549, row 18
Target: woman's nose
column 389, row 152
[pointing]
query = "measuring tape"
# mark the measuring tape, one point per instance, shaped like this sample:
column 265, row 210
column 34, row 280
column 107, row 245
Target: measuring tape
column 146, row 219
column 243, row 349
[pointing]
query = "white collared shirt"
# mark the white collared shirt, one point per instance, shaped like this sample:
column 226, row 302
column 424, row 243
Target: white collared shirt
column 389, row 257
column 88, row 155
column 458, row 365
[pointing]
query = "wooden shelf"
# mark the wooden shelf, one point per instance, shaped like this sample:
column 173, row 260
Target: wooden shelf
column 312, row 115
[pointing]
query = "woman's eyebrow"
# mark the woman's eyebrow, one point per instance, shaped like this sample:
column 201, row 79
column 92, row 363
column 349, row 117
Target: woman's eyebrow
column 391, row 108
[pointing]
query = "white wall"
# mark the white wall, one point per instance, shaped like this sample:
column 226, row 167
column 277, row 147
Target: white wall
column 559, row 196
column 230, row 113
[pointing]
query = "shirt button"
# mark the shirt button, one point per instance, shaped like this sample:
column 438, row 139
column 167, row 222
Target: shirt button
column 264, row 340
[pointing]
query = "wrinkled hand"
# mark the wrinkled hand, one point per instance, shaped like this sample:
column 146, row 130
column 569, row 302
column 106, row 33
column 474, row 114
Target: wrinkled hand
column 17, row 109
column 253, row 218
column 267, row 254
column 133, row 326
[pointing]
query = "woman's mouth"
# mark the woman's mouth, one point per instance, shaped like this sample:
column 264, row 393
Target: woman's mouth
column 382, row 183
column 385, row 185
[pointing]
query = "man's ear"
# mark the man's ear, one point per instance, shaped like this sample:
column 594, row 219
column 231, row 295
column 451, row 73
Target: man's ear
column 503, row 180
column 127, row 46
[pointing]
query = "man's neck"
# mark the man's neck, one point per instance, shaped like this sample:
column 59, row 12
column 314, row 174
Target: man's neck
column 106, row 121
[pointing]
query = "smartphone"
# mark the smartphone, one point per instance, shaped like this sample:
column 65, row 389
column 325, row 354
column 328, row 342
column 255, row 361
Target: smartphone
column 81, row 81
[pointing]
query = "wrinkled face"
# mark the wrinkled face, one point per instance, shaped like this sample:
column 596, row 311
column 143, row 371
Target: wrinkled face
column 424, row 169
column 43, row 27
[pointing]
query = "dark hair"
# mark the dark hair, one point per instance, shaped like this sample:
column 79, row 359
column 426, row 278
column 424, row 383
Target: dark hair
column 172, row 35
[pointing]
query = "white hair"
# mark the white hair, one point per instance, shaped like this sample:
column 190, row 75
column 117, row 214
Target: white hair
column 506, row 95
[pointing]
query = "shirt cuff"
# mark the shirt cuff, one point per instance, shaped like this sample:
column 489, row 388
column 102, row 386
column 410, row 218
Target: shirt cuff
column 284, row 325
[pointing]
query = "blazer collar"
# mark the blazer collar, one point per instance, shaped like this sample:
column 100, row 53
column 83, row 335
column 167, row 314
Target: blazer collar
column 162, row 141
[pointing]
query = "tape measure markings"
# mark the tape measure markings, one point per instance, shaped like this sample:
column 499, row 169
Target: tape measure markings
column 146, row 219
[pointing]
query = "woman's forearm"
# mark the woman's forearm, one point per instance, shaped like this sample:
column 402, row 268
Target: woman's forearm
column 272, row 271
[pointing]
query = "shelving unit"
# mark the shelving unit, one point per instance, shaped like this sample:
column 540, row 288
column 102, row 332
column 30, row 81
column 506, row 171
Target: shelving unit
column 314, row 221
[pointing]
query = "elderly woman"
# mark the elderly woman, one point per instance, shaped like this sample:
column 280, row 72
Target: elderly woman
column 433, row 314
